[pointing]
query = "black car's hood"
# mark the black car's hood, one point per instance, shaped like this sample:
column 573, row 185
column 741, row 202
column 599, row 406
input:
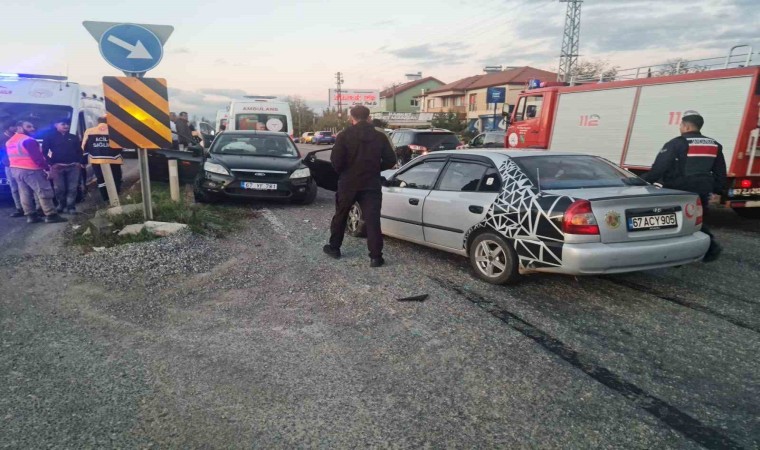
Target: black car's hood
column 233, row 162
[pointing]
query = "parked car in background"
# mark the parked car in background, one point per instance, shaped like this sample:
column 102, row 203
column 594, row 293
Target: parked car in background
column 254, row 164
column 323, row 137
column 489, row 139
column 411, row 143
column 306, row 137
column 513, row 212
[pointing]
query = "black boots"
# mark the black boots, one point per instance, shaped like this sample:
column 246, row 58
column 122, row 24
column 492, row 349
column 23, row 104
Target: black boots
column 332, row 252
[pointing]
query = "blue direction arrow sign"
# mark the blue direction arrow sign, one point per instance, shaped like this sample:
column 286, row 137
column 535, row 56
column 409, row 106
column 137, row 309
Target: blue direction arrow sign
column 131, row 48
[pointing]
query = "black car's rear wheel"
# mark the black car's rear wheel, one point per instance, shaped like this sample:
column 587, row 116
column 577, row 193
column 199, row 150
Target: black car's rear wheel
column 356, row 226
column 493, row 259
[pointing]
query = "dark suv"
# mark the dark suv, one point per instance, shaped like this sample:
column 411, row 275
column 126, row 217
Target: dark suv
column 413, row 143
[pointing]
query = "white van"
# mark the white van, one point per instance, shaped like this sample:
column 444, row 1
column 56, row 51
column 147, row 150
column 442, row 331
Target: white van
column 260, row 113
column 43, row 100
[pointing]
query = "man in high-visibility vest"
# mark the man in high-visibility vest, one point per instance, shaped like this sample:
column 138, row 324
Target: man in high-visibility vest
column 29, row 169
column 97, row 148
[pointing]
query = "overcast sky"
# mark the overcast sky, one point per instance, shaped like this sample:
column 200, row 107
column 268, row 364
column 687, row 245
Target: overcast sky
column 285, row 47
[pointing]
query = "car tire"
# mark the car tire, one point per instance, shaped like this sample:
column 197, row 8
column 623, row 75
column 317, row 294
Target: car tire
column 493, row 259
column 748, row 213
column 310, row 196
column 356, row 226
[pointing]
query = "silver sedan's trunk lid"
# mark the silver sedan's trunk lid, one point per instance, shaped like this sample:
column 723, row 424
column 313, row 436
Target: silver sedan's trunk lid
column 638, row 213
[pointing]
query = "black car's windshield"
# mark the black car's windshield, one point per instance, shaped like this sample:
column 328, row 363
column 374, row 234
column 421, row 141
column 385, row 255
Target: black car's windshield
column 575, row 172
column 255, row 145
column 435, row 140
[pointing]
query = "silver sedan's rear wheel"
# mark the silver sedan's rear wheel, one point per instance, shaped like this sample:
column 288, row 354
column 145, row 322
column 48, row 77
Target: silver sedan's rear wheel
column 356, row 226
column 493, row 259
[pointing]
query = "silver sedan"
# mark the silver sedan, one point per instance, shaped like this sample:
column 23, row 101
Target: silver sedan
column 513, row 212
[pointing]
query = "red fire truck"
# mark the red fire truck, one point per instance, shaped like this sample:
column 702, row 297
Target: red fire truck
column 628, row 121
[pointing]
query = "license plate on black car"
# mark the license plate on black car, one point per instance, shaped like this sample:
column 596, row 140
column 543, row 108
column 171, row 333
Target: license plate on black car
column 652, row 219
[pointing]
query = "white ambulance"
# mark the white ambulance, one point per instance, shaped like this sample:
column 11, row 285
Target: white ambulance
column 43, row 100
column 260, row 113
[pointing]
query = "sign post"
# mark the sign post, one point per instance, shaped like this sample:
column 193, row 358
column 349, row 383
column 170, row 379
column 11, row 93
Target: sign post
column 137, row 107
column 496, row 95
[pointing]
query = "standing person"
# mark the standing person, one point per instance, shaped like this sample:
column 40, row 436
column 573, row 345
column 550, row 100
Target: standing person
column 29, row 167
column 8, row 131
column 173, row 128
column 64, row 154
column 97, row 148
column 695, row 163
column 183, row 131
column 359, row 155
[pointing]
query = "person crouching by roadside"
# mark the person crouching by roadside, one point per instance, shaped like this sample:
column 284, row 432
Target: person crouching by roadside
column 65, row 156
column 29, row 169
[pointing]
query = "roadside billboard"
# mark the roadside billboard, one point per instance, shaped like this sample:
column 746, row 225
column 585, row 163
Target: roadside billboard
column 352, row 97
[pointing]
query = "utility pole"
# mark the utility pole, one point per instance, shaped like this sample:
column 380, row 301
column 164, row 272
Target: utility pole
column 568, row 59
column 394, row 96
column 339, row 82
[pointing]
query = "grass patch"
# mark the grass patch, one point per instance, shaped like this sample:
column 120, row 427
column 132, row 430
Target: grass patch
column 205, row 219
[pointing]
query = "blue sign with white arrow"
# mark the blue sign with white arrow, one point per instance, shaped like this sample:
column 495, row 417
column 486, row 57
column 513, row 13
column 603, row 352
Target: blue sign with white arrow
column 131, row 48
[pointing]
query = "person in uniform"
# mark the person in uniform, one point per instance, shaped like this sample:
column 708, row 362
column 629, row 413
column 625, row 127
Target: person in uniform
column 359, row 155
column 97, row 149
column 695, row 163
column 29, row 169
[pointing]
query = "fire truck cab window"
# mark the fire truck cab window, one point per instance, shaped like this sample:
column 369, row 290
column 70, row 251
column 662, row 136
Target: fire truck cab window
column 529, row 107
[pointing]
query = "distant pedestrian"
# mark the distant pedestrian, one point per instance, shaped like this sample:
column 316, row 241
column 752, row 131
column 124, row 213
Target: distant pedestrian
column 173, row 126
column 185, row 135
column 97, row 148
column 359, row 155
column 695, row 163
column 28, row 168
column 63, row 151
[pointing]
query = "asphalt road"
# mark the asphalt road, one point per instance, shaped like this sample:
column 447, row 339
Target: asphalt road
column 259, row 340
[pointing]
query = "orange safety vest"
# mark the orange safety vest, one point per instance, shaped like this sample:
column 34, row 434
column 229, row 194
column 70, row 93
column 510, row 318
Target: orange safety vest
column 17, row 154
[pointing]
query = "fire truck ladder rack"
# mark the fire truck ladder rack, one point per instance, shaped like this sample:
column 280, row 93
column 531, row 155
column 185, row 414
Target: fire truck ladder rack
column 675, row 67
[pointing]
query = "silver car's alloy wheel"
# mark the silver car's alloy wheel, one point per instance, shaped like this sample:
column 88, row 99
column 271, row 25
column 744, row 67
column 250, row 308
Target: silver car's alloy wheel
column 354, row 219
column 491, row 259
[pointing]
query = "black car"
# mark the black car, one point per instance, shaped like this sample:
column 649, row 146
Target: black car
column 412, row 143
column 254, row 164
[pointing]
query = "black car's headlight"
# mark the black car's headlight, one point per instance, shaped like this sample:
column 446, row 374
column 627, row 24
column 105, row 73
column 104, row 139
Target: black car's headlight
column 209, row 166
column 301, row 173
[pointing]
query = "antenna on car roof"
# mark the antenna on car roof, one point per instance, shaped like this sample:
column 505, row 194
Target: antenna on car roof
column 538, row 180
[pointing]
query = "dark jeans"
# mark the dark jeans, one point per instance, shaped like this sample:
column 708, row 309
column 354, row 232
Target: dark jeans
column 116, row 170
column 65, row 182
column 370, row 202
column 34, row 184
column 705, row 198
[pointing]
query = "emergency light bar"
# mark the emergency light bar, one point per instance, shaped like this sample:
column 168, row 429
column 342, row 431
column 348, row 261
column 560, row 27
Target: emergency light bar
column 262, row 97
column 33, row 76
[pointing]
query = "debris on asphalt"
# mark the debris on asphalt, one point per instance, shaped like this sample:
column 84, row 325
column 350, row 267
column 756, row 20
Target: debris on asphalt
column 416, row 298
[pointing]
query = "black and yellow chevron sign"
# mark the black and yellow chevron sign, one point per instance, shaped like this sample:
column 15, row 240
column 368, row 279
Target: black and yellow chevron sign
column 138, row 112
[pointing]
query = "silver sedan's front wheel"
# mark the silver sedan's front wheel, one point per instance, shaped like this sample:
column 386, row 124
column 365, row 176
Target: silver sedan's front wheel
column 493, row 259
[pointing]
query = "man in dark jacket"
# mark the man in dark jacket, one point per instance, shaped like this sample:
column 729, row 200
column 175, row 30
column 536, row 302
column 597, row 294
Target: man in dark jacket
column 66, row 158
column 359, row 155
column 695, row 163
